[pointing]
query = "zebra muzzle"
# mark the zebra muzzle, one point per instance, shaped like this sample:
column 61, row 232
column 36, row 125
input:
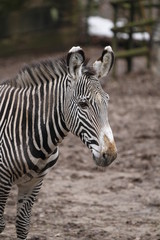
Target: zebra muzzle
column 105, row 160
column 107, row 155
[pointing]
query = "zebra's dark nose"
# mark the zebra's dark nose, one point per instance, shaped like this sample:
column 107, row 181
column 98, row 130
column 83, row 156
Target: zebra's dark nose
column 107, row 155
column 105, row 160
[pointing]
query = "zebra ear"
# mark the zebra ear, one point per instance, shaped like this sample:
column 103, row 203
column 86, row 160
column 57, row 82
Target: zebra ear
column 75, row 59
column 104, row 64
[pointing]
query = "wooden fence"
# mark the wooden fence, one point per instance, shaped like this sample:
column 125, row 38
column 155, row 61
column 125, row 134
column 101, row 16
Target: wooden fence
column 141, row 16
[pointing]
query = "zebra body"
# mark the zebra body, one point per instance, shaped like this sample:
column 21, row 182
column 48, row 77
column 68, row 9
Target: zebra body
column 38, row 108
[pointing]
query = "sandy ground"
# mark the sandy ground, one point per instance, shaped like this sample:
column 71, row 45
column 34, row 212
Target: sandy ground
column 122, row 202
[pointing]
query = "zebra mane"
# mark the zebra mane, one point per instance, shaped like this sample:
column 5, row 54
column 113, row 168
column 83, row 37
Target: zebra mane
column 42, row 71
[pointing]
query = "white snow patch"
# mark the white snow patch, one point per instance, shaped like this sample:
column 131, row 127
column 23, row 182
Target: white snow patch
column 98, row 26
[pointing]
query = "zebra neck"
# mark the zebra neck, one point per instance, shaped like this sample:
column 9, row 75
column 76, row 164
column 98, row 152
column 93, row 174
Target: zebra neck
column 49, row 104
column 37, row 116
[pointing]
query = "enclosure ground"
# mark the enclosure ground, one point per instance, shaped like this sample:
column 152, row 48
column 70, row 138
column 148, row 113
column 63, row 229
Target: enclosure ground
column 122, row 202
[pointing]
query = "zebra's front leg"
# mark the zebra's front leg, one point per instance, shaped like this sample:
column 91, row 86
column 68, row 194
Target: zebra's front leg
column 4, row 192
column 27, row 194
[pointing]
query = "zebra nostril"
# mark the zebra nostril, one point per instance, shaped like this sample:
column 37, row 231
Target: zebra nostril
column 108, row 158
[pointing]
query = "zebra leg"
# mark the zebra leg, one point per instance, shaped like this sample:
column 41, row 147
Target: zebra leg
column 27, row 194
column 4, row 192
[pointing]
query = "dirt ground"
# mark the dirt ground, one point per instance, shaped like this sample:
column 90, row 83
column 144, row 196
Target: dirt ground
column 122, row 202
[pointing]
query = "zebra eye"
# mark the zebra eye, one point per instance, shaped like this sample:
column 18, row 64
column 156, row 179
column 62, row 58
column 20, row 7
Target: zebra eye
column 83, row 104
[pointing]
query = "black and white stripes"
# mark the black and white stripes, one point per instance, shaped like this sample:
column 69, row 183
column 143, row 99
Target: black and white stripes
column 37, row 109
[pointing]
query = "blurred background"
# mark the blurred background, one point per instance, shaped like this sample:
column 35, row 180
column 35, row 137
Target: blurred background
column 77, row 200
column 32, row 26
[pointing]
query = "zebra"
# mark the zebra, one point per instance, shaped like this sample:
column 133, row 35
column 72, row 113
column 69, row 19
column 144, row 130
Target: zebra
column 38, row 107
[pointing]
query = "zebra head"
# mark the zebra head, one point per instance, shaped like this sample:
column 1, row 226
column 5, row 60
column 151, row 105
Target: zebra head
column 86, row 106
